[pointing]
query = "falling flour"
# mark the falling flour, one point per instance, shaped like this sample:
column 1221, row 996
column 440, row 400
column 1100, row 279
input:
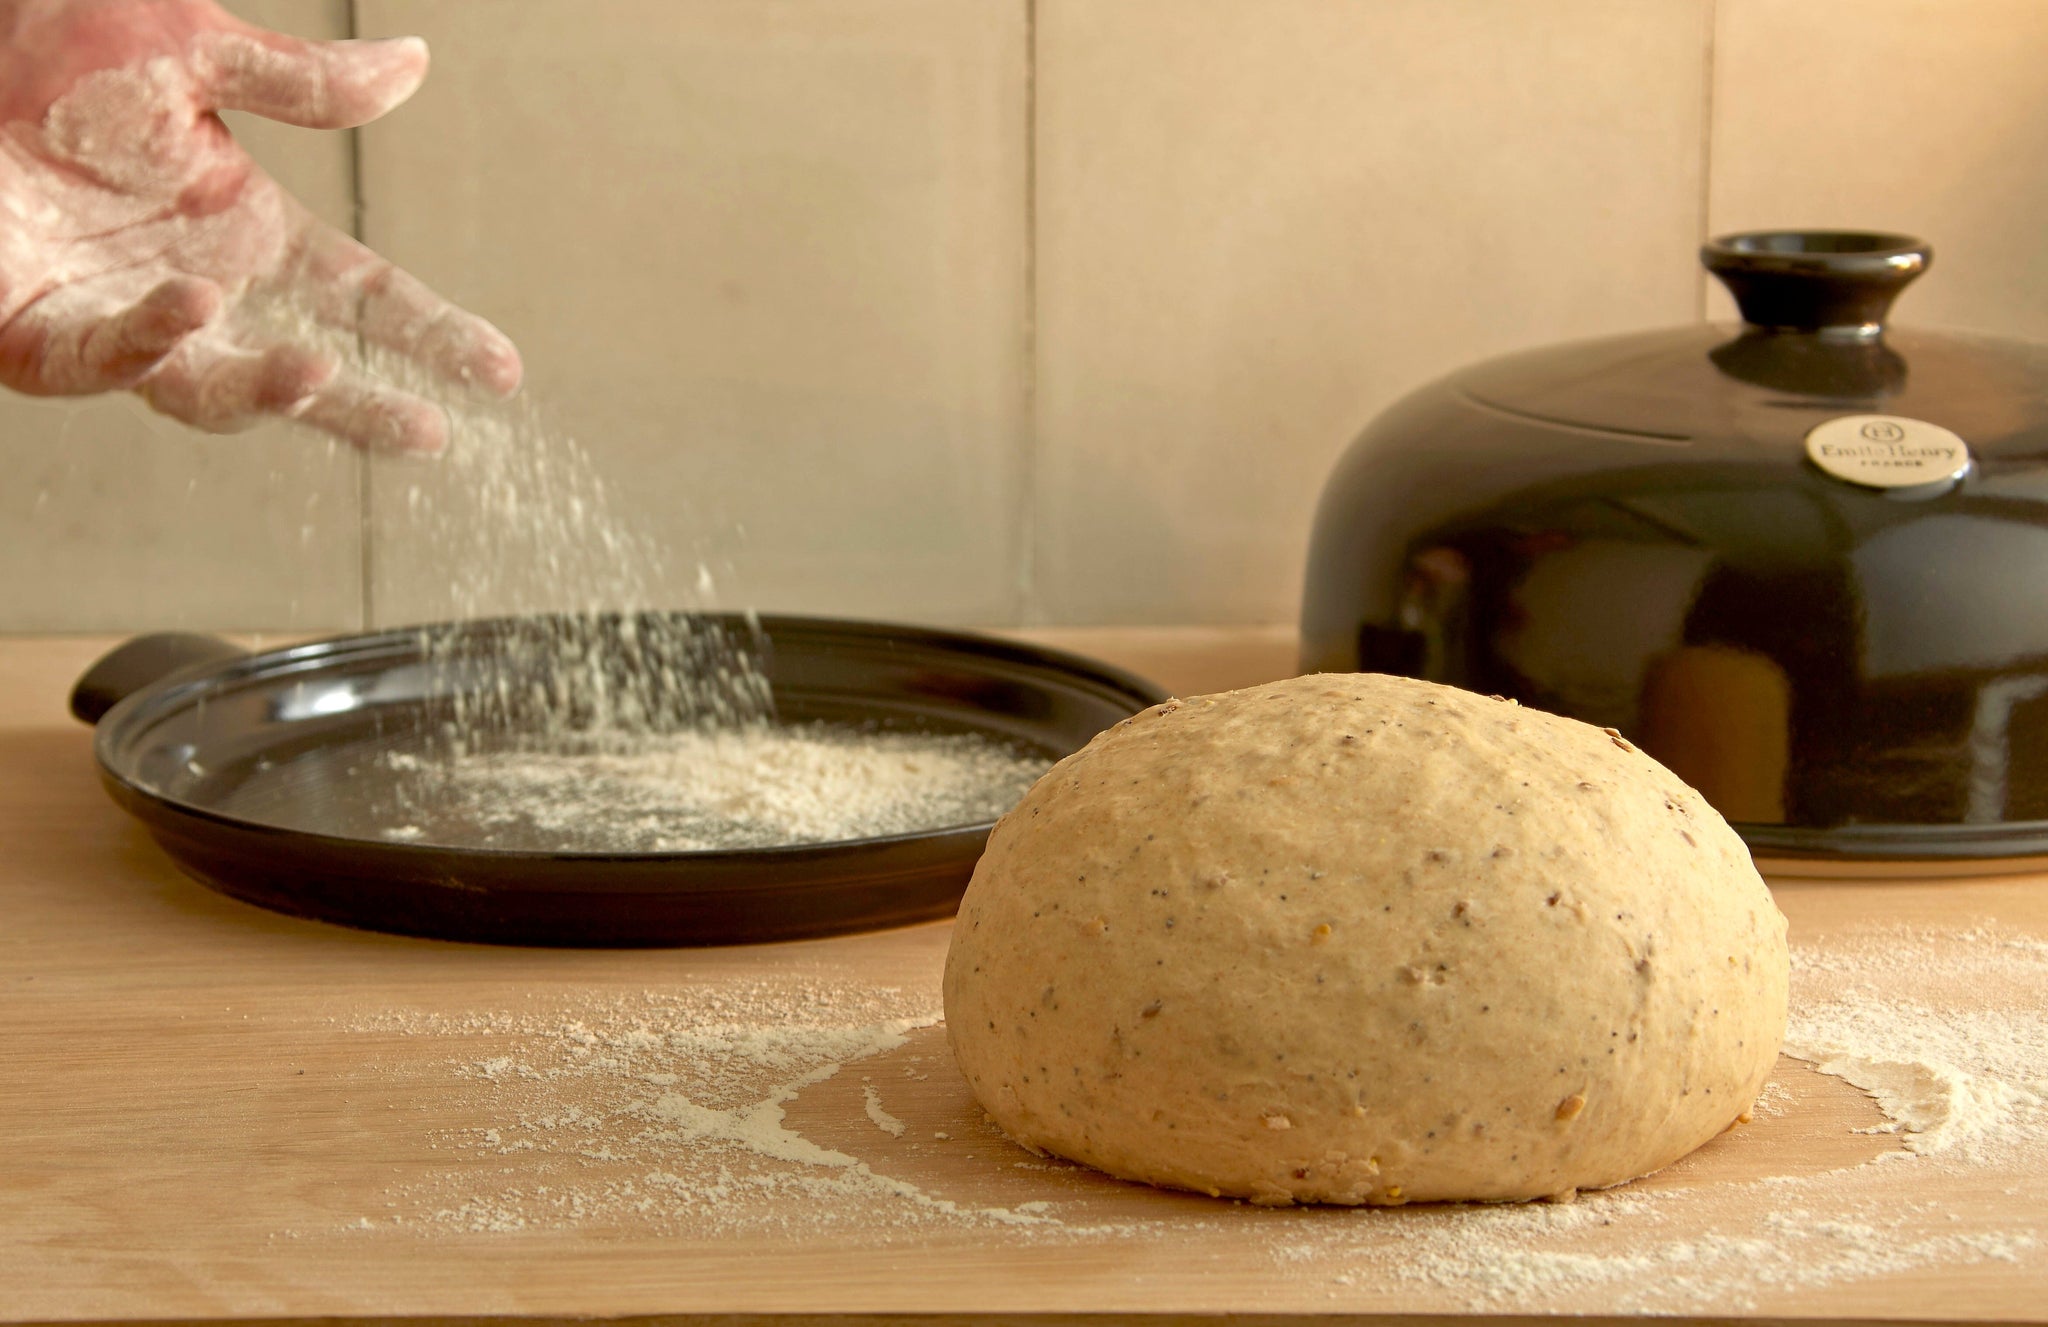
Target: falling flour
column 521, row 527
column 729, row 1110
column 516, row 523
column 580, row 695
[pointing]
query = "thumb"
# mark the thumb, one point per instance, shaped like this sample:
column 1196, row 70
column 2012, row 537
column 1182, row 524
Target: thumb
column 315, row 84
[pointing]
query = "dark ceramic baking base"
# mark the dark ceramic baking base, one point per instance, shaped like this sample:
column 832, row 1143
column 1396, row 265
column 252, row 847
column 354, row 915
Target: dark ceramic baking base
column 245, row 786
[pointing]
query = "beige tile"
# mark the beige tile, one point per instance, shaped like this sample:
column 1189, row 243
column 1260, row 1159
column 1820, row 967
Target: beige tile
column 1260, row 223
column 115, row 519
column 1924, row 116
column 764, row 258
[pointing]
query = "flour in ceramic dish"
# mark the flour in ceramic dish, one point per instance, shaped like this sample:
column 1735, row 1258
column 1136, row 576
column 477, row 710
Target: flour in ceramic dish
column 758, row 786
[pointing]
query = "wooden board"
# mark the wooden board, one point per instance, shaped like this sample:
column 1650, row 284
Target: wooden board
column 207, row 1111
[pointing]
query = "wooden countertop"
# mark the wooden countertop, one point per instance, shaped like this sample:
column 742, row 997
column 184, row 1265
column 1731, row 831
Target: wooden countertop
column 211, row 1112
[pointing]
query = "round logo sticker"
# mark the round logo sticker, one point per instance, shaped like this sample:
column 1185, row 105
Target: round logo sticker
column 1887, row 451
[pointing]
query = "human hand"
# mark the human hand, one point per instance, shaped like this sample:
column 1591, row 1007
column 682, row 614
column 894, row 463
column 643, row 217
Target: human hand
column 142, row 249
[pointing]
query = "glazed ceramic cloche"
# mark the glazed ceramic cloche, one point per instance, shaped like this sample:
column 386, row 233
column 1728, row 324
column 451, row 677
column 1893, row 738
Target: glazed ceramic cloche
column 1802, row 561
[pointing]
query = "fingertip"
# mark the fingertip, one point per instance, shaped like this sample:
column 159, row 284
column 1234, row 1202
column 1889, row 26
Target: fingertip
column 401, row 66
column 405, row 429
column 380, row 427
column 130, row 345
column 470, row 351
column 500, row 369
column 412, row 48
column 293, row 375
column 426, row 435
column 182, row 305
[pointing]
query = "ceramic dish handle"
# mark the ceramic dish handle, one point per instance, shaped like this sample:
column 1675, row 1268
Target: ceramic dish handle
column 129, row 667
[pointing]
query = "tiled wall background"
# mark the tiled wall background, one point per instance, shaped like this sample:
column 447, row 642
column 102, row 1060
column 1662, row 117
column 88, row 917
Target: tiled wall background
column 1009, row 311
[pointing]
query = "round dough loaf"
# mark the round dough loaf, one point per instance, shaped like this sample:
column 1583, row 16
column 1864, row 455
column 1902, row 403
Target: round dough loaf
column 1363, row 939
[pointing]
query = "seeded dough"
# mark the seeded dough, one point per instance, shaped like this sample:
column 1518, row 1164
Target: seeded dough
column 1362, row 939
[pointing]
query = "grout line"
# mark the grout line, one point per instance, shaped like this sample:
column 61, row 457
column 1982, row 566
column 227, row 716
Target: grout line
column 1029, row 609
column 1701, row 281
column 365, row 550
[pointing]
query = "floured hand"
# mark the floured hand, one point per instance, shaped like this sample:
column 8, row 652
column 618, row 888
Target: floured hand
column 139, row 244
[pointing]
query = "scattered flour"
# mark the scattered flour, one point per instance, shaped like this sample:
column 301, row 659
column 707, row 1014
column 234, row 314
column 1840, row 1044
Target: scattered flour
column 1944, row 1078
column 716, row 1111
column 1899, row 1013
column 871, row 1102
column 669, row 1112
column 1774, row 1100
column 1947, row 1072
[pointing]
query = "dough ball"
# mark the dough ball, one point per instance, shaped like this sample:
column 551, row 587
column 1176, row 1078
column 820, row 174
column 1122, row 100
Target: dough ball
column 1363, row 939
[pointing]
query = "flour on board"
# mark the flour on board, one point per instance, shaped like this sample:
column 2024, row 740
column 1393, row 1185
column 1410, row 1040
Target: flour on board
column 871, row 1102
column 723, row 1110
